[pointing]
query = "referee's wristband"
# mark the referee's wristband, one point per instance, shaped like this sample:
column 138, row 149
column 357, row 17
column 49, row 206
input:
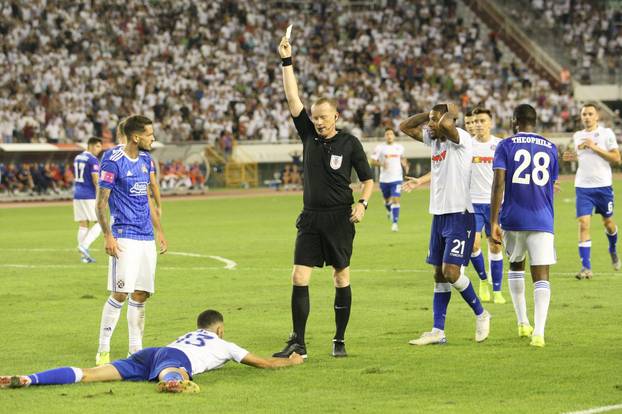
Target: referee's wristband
column 286, row 61
column 363, row 202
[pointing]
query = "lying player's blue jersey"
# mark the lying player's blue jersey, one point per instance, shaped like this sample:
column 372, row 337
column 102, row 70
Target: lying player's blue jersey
column 531, row 166
column 128, row 179
column 84, row 165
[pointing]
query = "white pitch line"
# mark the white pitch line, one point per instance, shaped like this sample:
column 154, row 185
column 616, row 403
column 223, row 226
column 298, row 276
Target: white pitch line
column 229, row 264
column 596, row 410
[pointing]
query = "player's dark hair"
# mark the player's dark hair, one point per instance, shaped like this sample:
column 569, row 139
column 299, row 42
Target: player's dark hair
column 135, row 124
column 94, row 141
column 591, row 105
column 208, row 318
column 478, row 111
column 389, row 129
column 441, row 108
column 468, row 113
column 525, row 115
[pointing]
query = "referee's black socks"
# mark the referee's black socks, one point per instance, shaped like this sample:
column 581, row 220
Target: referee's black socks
column 300, row 311
column 343, row 302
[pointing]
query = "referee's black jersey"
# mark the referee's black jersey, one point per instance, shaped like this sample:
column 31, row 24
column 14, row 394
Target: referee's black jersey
column 327, row 165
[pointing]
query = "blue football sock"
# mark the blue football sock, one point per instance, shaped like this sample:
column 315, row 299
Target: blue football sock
column 496, row 270
column 442, row 295
column 395, row 212
column 172, row 376
column 64, row 375
column 584, row 253
column 465, row 287
column 477, row 258
column 613, row 240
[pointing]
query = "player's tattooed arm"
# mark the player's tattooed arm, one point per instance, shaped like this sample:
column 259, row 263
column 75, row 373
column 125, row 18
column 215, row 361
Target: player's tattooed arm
column 110, row 243
column 447, row 123
column 498, row 187
column 413, row 126
column 289, row 79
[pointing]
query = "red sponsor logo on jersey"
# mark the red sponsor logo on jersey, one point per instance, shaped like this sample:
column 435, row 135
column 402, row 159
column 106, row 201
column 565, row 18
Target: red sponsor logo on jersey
column 482, row 160
column 107, row 177
column 439, row 157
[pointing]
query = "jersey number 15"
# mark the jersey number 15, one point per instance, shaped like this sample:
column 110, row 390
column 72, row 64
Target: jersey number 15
column 539, row 172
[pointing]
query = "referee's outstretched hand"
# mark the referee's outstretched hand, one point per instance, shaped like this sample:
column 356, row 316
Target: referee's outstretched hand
column 285, row 50
column 358, row 211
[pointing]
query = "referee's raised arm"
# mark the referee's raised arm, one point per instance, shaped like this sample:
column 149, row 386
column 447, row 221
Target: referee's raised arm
column 289, row 79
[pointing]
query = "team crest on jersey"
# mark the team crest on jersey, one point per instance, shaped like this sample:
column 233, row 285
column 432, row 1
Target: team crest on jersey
column 335, row 161
column 144, row 169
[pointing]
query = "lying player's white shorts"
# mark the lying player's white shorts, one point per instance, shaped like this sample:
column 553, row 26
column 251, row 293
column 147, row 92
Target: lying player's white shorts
column 135, row 267
column 539, row 244
column 84, row 210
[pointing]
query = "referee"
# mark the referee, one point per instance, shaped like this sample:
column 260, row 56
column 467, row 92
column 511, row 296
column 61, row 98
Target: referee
column 326, row 224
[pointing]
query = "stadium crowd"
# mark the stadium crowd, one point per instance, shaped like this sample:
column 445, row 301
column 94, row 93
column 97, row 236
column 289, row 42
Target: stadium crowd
column 203, row 69
column 591, row 32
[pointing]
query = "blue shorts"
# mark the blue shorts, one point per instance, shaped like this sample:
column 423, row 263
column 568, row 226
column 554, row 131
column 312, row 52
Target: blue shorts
column 482, row 218
column 599, row 199
column 146, row 364
column 393, row 189
column 451, row 239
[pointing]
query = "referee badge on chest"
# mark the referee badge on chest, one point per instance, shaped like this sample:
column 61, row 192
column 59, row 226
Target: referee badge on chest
column 335, row 161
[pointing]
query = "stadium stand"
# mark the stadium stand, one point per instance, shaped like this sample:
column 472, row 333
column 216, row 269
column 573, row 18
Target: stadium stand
column 591, row 34
column 69, row 69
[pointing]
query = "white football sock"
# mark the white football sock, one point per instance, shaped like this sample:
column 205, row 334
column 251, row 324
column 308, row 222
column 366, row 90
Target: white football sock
column 135, row 325
column 541, row 299
column 110, row 317
column 516, row 282
column 92, row 235
column 462, row 283
column 82, row 232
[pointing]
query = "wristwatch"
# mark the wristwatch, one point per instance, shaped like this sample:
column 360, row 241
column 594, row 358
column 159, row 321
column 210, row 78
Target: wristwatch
column 363, row 202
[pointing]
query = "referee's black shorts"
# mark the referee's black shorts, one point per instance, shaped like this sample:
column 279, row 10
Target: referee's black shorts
column 324, row 237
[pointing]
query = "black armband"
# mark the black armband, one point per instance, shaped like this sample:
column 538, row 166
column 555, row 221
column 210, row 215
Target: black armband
column 286, row 61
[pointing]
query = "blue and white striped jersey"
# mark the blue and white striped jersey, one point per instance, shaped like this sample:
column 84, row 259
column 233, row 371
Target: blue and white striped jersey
column 128, row 179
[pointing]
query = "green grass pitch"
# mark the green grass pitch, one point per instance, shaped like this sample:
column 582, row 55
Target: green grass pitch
column 51, row 306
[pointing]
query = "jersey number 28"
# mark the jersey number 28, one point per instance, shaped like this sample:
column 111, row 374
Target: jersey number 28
column 539, row 172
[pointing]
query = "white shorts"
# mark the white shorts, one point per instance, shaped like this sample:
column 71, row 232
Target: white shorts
column 135, row 267
column 539, row 244
column 84, row 210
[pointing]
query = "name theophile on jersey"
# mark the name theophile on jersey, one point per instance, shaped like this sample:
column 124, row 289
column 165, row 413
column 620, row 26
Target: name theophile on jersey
column 531, row 140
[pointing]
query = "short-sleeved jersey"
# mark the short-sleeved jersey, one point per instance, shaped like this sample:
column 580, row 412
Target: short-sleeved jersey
column 451, row 174
column 206, row 351
column 128, row 180
column 481, row 169
column 328, row 165
column 108, row 153
column 594, row 171
column 390, row 158
column 84, row 165
column 531, row 168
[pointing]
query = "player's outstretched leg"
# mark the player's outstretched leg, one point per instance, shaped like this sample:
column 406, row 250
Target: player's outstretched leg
column 442, row 296
column 516, row 282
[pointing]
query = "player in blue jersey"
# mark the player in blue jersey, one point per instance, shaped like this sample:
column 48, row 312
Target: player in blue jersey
column 86, row 174
column 453, row 223
column 153, row 182
column 173, row 365
column 124, row 181
column 526, row 170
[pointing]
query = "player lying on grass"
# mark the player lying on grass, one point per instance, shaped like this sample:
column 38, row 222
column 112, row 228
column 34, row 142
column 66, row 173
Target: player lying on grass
column 173, row 365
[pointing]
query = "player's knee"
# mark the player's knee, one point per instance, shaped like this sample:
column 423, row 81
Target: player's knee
column 301, row 276
column 140, row 296
column 493, row 247
column 119, row 296
column 341, row 277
